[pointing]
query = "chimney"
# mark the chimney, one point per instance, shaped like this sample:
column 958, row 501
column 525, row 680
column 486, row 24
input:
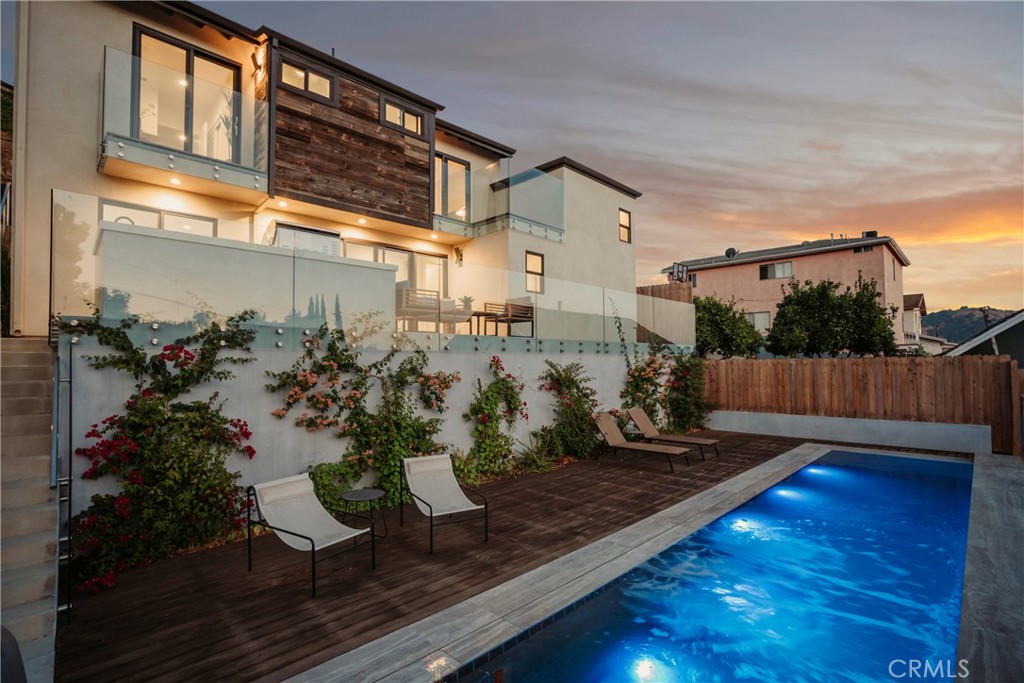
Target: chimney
column 869, row 233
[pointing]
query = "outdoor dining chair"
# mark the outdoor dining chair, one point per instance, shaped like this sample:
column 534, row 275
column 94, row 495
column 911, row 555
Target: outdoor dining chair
column 291, row 509
column 430, row 480
column 617, row 442
column 651, row 433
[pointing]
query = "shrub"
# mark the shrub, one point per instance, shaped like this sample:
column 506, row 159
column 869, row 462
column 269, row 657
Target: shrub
column 684, row 397
column 500, row 402
column 574, row 432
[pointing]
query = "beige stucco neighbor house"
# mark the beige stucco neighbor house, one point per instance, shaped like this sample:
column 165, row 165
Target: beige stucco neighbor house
column 168, row 160
column 755, row 279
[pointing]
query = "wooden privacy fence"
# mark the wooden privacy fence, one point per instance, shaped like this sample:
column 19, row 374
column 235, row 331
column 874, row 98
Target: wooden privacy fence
column 982, row 390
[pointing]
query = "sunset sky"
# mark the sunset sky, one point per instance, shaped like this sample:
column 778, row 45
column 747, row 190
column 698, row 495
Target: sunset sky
column 745, row 125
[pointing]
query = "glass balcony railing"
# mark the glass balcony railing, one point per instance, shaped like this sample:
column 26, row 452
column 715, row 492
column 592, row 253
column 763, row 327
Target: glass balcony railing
column 532, row 202
column 179, row 280
column 159, row 116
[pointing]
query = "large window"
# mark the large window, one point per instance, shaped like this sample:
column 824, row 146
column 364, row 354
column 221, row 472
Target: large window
column 534, row 272
column 186, row 99
column 625, row 226
column 420, row 271
column 451, row 188
column 143, row 217
column 773, row 271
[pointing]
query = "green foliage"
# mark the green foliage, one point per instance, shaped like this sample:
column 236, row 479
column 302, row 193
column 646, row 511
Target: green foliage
column 170, row 457
column 500, row 402
column 332, row 387
column 684, row 399
column 723, row 330
column 332, row 479
column 534, row 455
column 574, row 432
column 816, row 319
column 645, row 376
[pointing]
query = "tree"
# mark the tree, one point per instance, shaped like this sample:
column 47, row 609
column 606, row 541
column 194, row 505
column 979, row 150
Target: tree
column 724, row 330
column 817, row 319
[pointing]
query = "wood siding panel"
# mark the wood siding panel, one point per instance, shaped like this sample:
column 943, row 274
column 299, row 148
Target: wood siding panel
column 341, row 157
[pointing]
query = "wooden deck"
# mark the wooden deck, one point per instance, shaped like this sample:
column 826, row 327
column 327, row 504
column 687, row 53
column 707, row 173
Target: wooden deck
column 204, row 617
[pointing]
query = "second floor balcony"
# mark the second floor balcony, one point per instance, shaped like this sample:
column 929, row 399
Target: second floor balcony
column 180, row 120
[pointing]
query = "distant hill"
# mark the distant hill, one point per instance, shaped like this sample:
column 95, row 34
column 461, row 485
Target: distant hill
column 960, row 324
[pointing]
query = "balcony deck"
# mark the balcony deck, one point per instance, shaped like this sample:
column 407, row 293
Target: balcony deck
column 203, row 617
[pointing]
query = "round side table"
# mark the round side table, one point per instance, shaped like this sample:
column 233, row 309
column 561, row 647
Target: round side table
column 371, row 496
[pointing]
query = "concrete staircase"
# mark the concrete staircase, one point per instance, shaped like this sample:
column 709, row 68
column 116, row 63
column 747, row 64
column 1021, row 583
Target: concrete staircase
column 28, row 507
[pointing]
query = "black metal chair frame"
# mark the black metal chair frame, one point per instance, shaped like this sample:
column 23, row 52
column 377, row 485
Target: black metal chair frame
column 451, row 520
column 253, row 503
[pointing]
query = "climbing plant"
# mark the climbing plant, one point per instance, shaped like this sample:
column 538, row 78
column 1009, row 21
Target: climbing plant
column 575, row 402
column 168, row 456
column 499, row 403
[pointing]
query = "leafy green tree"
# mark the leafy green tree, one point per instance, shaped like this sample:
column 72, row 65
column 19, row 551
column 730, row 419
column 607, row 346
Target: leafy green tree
column 723, row 330
column 817, row 319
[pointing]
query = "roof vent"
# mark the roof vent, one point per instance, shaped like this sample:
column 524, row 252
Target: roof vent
column 730, row 252
column 869, row 233
column 805, row 243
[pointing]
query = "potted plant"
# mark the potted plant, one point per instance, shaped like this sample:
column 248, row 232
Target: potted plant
column 467, row 302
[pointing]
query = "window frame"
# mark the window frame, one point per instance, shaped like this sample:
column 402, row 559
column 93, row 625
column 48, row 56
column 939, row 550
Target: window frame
column 161, row 214
column 692, row 278
column 763, row 270
column 538, row 275
column 864, row 249
column 379, row 249
column 751, row 317
column 627, row 226
column 442, row 184
column 287, row 58
column 406, row 109
column 191, row 52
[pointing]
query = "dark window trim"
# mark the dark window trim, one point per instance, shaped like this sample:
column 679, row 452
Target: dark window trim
column 440, row 211
column 693, row 280
column 191, row 51
column 629, row 227
column 310, row 67
column 526, row 267
column 425, row 130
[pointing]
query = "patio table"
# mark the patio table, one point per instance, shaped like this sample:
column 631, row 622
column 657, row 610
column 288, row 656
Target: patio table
column 373, row 498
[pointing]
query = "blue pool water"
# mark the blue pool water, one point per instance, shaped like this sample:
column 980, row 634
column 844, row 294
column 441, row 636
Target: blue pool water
column 851, row 564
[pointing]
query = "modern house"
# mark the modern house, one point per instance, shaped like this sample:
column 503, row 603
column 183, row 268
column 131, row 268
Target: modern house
column 755, row 279
column 171, row 164
column 1006, row 337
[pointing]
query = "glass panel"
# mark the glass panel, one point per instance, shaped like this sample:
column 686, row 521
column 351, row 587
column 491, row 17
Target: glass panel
column 143, row 218
column 163, row 87
column 293, row 76
column 213, row 115
column 363, row 252
column 392, row 114
column 439, row 207
column 429, row 272
column 534, row 283
column 624, row 218
column 458, row 174
column 400, row 259
column 414, row 123
column 318, row 85
column 624, row 235
column 191, row 225
column 534, row 263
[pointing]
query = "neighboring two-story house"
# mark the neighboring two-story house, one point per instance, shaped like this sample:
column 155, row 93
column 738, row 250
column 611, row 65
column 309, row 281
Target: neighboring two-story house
column 756, row 279
column 164, row 155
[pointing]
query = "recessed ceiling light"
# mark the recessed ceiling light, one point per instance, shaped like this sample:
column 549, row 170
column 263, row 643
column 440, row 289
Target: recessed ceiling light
column 175, row 181
column 282, row 203
column 183, row 81
column 433, row 237
column 362, row 221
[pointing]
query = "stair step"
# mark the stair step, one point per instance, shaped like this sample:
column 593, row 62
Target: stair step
column 27, row 550
column 15, row 448
column 24, row 344
column 31, row 621
column 30, row 491
column 25, row 405
column 29, row 373
column 26, row 585
column 17, row 357
column 26, row 425
column 27, row 389
column 28, row 519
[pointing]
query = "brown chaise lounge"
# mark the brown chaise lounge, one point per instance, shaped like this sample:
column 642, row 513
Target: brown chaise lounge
column 651, row 433
column 617, row 442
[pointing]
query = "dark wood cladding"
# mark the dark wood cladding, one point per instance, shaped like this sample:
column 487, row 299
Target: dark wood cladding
column 342, row 157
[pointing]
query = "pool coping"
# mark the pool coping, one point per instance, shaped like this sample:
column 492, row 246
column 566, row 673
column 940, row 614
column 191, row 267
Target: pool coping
column 440, row 644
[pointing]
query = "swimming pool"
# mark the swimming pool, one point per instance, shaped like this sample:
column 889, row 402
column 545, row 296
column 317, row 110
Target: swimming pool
column 850, row 570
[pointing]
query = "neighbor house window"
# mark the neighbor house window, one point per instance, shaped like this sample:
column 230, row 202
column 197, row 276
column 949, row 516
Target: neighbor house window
column 693, row 280
column 306, row 80
column 534, row 272
column 402, row 118
column 185, row 99
column 625, row 226
column 773, row 271
column 451, row 188
column 862, row 250
column 761, row 320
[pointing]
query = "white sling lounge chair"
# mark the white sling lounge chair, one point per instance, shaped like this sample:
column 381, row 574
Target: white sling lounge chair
column 290, row 507
column 431, row 481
